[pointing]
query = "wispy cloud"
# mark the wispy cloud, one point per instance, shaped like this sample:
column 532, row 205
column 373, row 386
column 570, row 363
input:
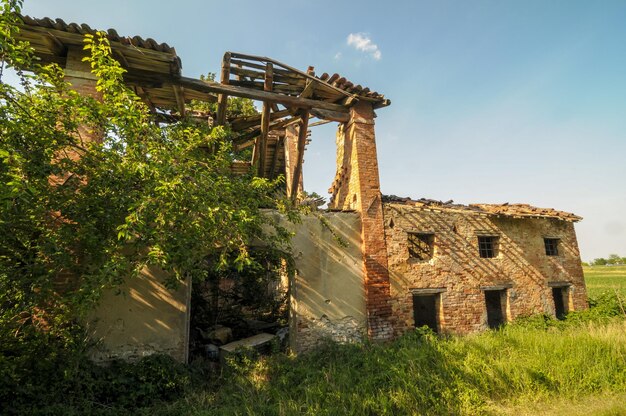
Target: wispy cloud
column 337, row 56
column 362, row 42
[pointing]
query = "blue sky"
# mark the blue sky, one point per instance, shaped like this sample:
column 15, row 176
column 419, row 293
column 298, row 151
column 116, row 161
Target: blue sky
column 492, row 101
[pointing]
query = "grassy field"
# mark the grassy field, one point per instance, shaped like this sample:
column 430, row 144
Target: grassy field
column 533, row 366
column 524, row 369
column 605, row 278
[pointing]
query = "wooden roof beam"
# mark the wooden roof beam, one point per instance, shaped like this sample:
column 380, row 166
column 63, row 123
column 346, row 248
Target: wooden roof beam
column 271, row 97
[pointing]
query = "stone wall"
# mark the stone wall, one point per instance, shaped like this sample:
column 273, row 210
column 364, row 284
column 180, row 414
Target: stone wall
column 327, row 294
column 461, row 275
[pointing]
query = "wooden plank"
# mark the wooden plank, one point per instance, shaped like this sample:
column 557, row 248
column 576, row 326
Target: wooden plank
column 330, row 115
column 242, row 123
column 272, row 97
column 222, row 99
column 246, row 72
column 308, row 89
column 302, row 133
column 289, row 68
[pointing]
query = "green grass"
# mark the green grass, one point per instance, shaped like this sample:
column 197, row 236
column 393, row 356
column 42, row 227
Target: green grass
column 531, row 365
column 534, row 366
column 601, row 279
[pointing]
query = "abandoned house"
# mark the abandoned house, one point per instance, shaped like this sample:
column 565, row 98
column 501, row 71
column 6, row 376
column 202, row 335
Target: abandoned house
column 406, row 263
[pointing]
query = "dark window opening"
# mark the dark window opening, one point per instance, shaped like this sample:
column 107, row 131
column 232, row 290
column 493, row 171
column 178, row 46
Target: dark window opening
column 487, row 246
column 560, row 296
column 494, row 300
column 552, row 246
column 421, row 245
column 425, row 311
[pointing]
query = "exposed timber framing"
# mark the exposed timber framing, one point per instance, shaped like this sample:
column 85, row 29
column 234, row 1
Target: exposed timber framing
column 265, row 119
column 222, row 98
column 302, row 133
column 272, row 97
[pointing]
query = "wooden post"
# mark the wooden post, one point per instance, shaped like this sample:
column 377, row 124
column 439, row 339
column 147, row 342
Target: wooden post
column 265, row 119
column 222, row 99
column 302, row 131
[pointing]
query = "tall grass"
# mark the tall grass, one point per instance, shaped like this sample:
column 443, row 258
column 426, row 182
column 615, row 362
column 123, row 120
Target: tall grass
column 423, row 374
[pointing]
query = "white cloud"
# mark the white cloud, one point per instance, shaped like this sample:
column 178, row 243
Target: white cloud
column 337, row 56
column 362, row 42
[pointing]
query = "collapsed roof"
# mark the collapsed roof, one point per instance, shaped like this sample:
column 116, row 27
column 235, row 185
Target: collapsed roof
column 506, row 209
column 154, row 72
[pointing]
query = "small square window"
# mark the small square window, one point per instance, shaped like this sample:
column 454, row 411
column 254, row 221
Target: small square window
column 421, row 245
column 487, row 246
column 552, row 246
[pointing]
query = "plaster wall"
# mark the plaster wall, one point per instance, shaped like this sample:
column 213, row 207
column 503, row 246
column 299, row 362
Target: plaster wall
column 327, row 292
column 456, row 266
column 142, row 317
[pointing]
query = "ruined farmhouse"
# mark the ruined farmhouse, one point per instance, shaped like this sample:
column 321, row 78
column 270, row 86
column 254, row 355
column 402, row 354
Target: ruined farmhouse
column 405, row 263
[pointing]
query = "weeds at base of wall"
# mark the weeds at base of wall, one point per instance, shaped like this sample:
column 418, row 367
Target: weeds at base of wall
column 532, row 360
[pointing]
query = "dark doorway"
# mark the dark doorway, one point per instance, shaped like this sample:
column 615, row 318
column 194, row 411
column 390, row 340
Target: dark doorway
column 559, row 294
column 495, row 307
column 425, row 311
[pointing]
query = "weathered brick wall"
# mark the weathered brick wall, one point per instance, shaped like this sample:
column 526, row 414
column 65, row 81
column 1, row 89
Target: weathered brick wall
column 357, row 187
column 457, row 266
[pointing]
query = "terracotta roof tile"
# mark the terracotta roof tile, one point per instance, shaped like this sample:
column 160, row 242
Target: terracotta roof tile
column 506, row 209
column 112, row 35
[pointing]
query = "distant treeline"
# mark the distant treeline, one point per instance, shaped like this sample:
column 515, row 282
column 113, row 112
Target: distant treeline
column 613, row 259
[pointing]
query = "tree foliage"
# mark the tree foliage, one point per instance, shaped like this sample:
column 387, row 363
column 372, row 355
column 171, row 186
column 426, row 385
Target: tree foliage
column 78, row 216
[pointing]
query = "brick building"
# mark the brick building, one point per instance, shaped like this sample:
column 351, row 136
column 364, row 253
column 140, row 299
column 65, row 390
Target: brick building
column 405, row 263
column 463, row 268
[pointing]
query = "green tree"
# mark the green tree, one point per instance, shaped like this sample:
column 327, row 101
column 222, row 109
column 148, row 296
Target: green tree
column 614, row 259
column 599, row 262
column 78, row 217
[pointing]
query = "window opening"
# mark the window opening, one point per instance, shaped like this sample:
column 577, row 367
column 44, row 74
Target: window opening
column 487, row 246
column 425, row 309
column 421, row 245
column 552, row 246
column 494, row 300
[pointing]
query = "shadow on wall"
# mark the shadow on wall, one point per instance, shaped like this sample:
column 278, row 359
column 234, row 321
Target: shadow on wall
column 327, row 293
column 457, row 266
column 140, row 318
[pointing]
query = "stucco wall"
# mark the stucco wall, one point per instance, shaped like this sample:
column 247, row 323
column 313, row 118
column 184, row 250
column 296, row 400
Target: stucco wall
column 457, row 267
column 142, row 317
column 327, row 292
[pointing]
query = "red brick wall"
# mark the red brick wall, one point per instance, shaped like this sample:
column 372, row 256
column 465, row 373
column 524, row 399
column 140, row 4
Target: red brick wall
column 456, row 265
column 357, row 187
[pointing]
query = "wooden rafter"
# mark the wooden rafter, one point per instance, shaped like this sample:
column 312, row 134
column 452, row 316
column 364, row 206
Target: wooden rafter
column 265, row 119
column 279, row 144
column 272, row 97
column 246, row 139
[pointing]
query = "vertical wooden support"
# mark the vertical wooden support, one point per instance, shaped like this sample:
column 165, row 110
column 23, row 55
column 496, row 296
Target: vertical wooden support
column 222, row 99
column 265, row 119
column 302, row 132
column 279, row 145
